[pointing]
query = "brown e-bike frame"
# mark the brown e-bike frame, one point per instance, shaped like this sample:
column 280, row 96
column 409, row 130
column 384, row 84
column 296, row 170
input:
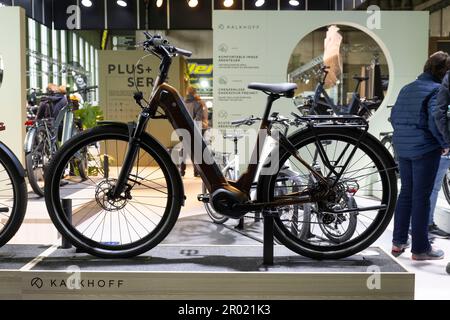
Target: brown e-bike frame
column 168, row 98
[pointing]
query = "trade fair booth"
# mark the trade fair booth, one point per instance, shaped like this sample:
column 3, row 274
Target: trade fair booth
column 245, row 154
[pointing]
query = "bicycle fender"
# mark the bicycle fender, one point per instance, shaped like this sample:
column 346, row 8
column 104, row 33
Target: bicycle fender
column 28, row 145
column 112, row 122
column 5, row 151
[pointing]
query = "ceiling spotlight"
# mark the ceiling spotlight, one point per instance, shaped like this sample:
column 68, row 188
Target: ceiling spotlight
column 86, row 3
column 228, row 3
column 159, row 3
column 121, row 3
column 259, row 3
column 294, row 3
column 192, row 3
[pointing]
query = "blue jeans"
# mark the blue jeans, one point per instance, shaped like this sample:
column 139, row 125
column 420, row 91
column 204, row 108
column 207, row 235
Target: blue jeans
column 444, row 164
column 417, row 177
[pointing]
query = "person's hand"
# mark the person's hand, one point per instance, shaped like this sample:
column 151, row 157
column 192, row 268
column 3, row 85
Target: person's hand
column 445, row 151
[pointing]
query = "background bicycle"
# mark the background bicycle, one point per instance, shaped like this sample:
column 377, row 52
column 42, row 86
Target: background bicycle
column 321, row 104
column 46, row 133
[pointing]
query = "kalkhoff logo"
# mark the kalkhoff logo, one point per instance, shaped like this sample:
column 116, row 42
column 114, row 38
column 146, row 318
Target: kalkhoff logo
column 37, row 282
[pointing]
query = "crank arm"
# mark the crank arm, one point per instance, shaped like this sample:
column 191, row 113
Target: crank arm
column 4, row 210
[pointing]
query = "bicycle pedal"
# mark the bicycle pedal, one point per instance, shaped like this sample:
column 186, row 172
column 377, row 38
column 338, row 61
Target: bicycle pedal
column 203, row 197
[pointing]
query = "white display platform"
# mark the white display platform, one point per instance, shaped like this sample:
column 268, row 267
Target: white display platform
column 199, row 272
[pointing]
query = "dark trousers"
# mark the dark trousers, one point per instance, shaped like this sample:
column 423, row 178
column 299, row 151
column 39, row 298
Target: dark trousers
column 417, row 177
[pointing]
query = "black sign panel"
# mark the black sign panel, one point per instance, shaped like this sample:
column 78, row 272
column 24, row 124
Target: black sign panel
column 151, row 14
column 93, row 17
column 26, row 4
column 348, row 4
column 48, row 13
column 320, row 4
column 123, row 18
column 182, row 16
column 60, row 15
column 6, row 2
column 38, row 9
column 338, row 5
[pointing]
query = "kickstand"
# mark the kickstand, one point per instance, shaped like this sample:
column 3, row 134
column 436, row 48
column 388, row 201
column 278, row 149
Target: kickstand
column 268, row 237
column 67, row 207
column 240, row 225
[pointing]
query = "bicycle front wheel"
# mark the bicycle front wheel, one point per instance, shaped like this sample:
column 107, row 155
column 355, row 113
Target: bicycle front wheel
column 13, row 197
column 355, row 165
column 122, row 227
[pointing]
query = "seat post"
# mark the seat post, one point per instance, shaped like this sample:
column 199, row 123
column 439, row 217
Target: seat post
column 270, row 100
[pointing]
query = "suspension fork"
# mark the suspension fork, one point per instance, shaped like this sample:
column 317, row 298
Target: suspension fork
column 136, row 131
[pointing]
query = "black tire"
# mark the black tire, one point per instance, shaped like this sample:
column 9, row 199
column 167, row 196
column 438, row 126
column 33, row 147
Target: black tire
column 387, row 143
column 81, row 161
column 39, row 149
column 31, row 177
column 175, row 193
column 12, row 179
column 385, row 167
column 446, row 186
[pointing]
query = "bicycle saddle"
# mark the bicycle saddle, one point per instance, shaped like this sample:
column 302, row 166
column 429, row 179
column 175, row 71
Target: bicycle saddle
column 284, row 89
column 358, row 78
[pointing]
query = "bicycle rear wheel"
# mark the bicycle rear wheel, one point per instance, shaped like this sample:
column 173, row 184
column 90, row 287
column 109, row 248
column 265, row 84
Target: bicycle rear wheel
column 114, row 228
column 13, row 197
column 358, row 166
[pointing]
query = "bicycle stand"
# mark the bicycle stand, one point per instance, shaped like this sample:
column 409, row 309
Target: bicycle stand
column 268, row 238
column 268, row 226
column 67, row 207
column 240, row 225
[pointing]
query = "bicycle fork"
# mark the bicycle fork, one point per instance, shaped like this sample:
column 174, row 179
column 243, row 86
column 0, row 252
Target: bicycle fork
column 135, row 130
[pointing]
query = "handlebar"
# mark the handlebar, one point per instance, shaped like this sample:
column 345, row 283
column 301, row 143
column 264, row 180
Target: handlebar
column 83, row 90
column 159, row 45
column 247, row 121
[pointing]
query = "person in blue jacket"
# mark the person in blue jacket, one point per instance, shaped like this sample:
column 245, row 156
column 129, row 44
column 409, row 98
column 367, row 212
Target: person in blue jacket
column 419, row 145
column 440, row 116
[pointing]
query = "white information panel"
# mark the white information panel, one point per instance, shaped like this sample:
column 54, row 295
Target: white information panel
column 255, row 46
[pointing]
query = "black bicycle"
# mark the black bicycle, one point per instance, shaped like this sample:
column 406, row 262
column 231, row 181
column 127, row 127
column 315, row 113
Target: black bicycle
column 134, row 192
column 13, row 193
column 321, row 103
column 44, row 136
